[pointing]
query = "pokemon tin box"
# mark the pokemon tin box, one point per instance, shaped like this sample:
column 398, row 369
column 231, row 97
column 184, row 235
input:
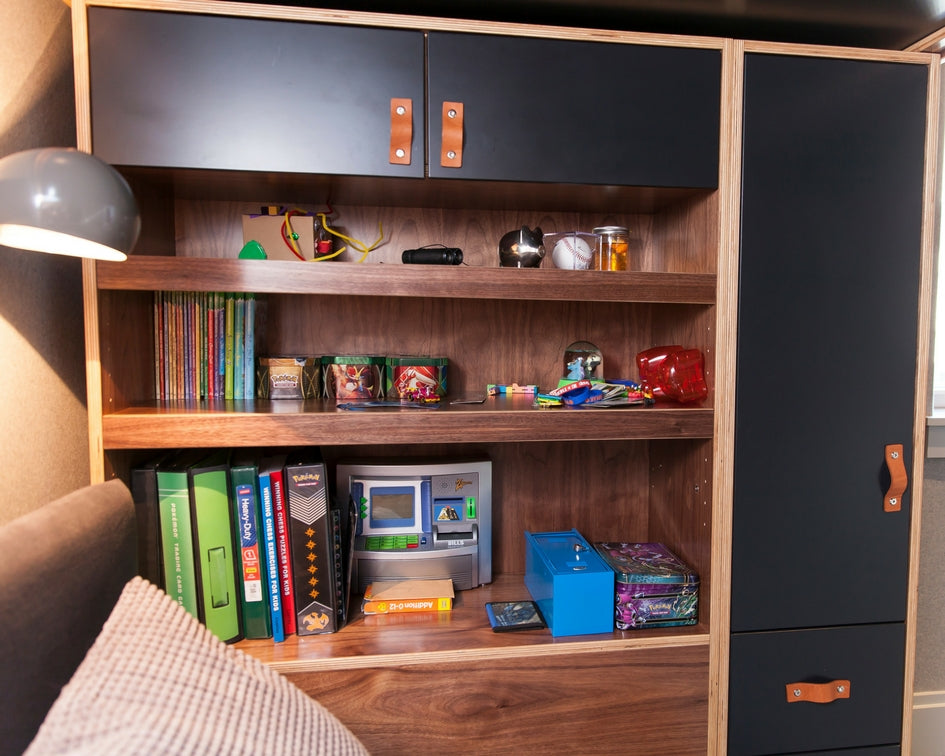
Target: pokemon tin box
column 654, row 588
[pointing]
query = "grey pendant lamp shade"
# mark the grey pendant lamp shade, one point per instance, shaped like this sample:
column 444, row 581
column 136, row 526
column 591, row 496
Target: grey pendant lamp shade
column 67, row 202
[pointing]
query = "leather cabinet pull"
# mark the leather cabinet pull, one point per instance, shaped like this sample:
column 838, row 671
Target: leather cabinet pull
column 819, row 693
column 899, row 480
column 401, row 130
column 451, row 152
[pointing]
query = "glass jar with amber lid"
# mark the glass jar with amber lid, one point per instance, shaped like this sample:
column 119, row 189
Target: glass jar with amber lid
column 612, row 247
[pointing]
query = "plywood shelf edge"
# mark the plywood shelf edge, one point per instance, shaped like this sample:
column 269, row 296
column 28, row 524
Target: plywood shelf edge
column 167, row 427
column 468, row 655
column 144, row 272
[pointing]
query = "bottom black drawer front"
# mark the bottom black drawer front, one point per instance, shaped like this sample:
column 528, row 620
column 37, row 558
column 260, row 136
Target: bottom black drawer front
column 890, row 750
column 800, row 691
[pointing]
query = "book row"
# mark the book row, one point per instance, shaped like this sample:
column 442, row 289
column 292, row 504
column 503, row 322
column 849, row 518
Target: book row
column 204, row 345
column 247, row 542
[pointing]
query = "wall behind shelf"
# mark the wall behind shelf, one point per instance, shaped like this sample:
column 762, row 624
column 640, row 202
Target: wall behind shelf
column 659, row 241
column 42, row 381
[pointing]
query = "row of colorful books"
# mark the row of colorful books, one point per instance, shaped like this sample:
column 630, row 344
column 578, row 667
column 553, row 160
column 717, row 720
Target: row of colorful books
column 204, row 345
column 247, row 541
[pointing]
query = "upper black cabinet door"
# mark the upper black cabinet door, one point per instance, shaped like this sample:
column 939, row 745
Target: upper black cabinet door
column 826, row 362
column 186, row 90
column 577, row 112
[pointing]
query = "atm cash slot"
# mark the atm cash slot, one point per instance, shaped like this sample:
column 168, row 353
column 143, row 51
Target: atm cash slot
column 446, row 536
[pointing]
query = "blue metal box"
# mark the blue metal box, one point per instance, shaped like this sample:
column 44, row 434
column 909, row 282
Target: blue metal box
column 570, row 582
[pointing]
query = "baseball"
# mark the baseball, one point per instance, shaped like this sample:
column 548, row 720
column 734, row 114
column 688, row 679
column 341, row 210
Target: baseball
column 572, row 253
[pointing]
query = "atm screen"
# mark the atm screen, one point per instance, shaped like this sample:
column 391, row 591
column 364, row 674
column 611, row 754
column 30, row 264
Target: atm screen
column 393, row 508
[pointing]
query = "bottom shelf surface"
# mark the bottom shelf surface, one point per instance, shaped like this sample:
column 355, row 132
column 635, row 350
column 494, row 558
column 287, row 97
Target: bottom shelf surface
column 445, row 683
column 462, row 633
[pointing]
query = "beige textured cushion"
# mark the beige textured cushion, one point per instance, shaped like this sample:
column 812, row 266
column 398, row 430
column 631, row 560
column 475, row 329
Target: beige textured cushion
column 156, row 681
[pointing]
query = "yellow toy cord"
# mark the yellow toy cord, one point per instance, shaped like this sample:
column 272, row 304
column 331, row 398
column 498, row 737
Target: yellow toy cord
column 359, row 245
column 292, row 238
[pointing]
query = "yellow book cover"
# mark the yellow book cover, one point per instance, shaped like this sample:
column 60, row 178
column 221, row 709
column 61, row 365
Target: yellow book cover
column 408, row 596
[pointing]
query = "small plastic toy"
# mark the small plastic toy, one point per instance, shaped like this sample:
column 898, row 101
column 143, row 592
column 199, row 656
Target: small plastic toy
column 495, row 389
column 252, row 250
column 583, row 360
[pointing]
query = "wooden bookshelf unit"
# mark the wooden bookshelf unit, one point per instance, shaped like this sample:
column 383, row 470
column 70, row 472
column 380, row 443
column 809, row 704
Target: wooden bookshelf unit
column 670, row 172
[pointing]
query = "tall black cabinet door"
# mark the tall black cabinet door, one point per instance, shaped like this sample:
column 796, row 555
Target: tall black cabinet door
column 202, row 91
column 576, row 112
column 829, row 275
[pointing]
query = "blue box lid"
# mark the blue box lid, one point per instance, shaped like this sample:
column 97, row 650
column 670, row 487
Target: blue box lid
column 567, row 552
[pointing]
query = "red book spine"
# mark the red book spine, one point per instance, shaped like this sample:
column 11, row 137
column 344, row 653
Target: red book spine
column 211, row 349
column 283, row 550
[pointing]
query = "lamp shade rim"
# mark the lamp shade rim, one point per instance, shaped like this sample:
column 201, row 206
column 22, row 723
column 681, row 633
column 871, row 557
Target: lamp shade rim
column 64, row 193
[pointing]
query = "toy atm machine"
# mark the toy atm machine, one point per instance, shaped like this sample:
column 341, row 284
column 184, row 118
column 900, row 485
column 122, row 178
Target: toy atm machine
column 418, row 520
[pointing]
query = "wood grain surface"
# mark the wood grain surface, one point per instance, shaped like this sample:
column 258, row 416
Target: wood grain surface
column 641, row 701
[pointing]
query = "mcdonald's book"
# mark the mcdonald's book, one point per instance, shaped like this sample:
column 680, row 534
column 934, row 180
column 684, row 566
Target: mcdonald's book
column 215, row 566
column 252, row 580
column 311, row 543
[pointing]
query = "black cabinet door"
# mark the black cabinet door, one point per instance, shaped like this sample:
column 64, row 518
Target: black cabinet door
column 576, row 112
column 203, row 91
column 887, row 750
column 829, row 275
column 770, row 707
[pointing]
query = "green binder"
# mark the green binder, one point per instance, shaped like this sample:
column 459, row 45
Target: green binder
column 218, row 601
column 177, row 545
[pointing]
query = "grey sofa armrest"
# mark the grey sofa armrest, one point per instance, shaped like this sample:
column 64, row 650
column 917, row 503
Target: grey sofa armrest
column 62, row 568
